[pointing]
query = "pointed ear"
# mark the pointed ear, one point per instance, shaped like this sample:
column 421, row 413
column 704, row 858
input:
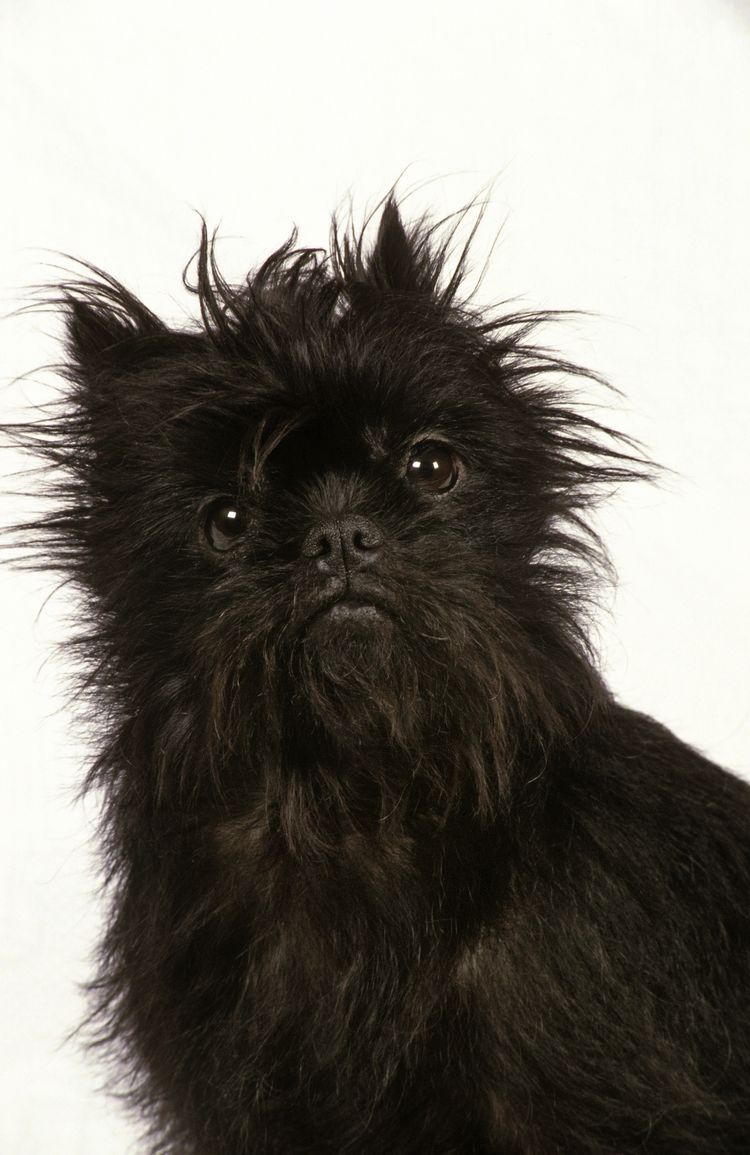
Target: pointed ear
column 400, row 260
column 106, row 325
column 93, row 333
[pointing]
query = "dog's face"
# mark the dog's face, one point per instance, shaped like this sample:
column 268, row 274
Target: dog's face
column 358, row 555
column 325, row 536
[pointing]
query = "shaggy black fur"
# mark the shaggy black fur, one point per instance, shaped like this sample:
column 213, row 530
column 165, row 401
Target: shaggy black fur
column 391, row 871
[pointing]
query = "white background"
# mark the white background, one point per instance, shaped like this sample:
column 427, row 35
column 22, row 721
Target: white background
column 618, row 136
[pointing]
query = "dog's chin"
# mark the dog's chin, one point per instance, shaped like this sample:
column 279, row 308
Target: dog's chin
column 351, row 640
column 353, row 672
column 350, row 636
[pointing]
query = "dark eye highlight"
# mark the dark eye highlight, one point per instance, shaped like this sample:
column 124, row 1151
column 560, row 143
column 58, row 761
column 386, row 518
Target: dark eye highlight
column 433, row 466
column 223, row 524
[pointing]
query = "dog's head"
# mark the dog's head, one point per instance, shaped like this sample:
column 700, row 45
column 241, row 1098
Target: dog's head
column 331, row 539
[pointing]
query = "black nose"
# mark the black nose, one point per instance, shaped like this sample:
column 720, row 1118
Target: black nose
column 344, row 546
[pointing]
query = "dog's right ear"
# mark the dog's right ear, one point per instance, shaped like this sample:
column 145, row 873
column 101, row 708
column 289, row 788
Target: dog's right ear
column 115, row 347
column 107, row 327
column 95, row 335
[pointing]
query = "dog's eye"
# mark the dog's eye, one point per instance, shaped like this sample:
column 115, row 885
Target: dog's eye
column 433, row 466
column 224, row 524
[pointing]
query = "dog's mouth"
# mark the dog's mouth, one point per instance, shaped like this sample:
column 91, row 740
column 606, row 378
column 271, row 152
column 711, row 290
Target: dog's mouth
column 352, row 608
column 349, row 611
column 348, row 605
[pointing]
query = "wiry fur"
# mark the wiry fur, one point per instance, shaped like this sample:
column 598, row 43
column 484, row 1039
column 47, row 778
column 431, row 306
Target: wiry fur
column 420, row 887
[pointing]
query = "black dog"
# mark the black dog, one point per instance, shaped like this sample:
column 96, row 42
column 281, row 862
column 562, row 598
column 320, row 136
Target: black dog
column 391, row 870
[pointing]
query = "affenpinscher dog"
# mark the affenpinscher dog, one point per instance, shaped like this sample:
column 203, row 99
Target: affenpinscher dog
column 391, row 870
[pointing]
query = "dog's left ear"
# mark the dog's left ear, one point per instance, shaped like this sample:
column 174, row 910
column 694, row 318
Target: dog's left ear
column 401, row 261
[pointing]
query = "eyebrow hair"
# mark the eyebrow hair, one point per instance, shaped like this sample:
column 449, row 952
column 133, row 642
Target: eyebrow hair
column 261, row 440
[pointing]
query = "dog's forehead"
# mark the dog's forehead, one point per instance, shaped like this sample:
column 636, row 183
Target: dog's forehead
column 356, row 415
column 337, row 435
column 376, row 403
